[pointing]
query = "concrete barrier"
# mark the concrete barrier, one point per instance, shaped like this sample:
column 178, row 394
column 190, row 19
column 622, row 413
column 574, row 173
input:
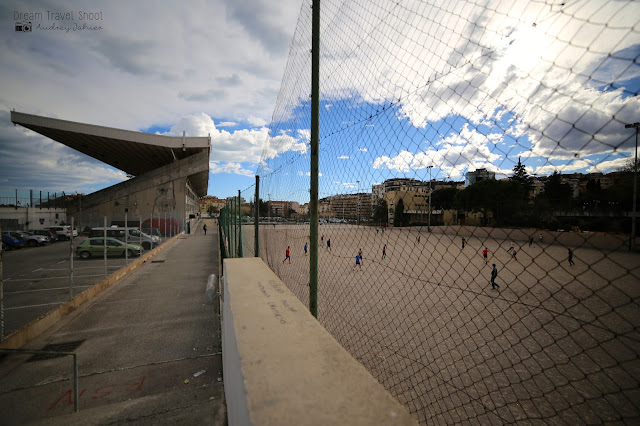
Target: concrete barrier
column 30, row 331
column 281, row 367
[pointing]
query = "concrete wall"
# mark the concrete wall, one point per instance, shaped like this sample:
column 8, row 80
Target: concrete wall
column 28, row 218
column 281, row 367
column 154, row 194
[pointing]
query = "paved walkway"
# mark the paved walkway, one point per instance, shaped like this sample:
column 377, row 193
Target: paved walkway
column 139, row 342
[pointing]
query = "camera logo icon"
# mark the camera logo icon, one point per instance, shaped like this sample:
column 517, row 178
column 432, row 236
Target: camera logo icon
column 24, row 27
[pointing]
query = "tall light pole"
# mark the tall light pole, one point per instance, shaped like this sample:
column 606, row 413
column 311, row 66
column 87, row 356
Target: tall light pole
column 632, row 239
column 429, row 220
column 358, row 203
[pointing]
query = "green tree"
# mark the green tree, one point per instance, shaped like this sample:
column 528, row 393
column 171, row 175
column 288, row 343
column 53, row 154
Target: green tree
column 380, row 214
column 503, row 198
column 263, row 208
column 559, row 194
column 444, row 198
column 521, row 176
column 399, row 218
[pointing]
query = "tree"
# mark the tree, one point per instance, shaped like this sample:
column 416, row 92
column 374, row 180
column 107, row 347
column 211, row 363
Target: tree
column 444, row 198
column 521, row 176
column 629, row 165
column 559, row 194
column 263, row 208
column 504, row 198
column 380, row 214
column 400, row 217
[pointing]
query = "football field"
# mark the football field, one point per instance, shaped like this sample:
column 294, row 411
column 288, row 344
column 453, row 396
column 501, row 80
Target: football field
column 555, row 343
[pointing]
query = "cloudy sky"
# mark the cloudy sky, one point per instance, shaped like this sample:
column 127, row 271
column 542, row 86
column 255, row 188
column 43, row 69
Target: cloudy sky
column 206, row 67
column 453, row 84
column 462, row 85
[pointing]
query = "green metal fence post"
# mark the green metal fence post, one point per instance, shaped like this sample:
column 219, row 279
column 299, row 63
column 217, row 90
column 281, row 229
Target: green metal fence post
column 256, row 219
column 240, row 249
column 315, row 127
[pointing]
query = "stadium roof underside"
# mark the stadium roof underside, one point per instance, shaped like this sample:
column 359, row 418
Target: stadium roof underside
column 135, row 153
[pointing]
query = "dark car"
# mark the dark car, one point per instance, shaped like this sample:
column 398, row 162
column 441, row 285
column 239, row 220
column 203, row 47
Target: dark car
column 53, row 236
column 10, row 242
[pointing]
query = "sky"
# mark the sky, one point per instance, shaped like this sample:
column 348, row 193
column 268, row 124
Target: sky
column 412, row 88
column 204, row 67
column 434, row 89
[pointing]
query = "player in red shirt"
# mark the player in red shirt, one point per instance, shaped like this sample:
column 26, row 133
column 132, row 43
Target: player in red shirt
column 287, row 255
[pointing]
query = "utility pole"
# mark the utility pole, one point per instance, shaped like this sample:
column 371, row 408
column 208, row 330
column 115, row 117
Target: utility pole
column 632, row 237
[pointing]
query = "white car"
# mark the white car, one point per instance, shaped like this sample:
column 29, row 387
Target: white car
column 64, row 232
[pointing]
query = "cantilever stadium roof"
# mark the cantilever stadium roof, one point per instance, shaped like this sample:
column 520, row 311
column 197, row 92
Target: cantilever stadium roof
column 135, row 153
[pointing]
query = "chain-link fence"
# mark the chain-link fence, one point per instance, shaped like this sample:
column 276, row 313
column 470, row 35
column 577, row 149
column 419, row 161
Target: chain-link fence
column 50, row 256
column 477, row 202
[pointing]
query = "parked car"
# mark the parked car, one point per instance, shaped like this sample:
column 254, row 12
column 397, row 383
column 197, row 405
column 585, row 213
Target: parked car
column 154, row 232
column 64, row 232
column 46, row 233
column 166, row 226
column 95, row 247
column 135, row 236
column 31, row 239
column 10, row 243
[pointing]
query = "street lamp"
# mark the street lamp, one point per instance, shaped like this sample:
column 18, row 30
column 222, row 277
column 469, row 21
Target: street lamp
column 429, row 220
column 632, row 240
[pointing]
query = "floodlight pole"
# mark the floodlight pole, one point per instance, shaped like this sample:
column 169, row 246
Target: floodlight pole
column 315, row 129
column 632, row 238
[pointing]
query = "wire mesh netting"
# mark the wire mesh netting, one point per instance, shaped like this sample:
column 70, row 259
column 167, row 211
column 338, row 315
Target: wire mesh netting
column 53, row 250
column 476, row 202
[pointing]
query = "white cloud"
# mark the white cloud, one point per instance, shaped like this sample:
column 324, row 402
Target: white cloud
column 234, row 168
column 257, row 121
column 454, row 154
column 609, row 166
column 227, row 124
column 239, row 146
column 343, row 157
column 362, row 149
column 571, row 167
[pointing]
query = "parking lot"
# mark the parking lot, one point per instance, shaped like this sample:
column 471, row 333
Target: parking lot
column 37, row 279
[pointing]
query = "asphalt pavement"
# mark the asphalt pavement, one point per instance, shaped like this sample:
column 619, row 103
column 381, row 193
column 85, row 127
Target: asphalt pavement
column 147, row 350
